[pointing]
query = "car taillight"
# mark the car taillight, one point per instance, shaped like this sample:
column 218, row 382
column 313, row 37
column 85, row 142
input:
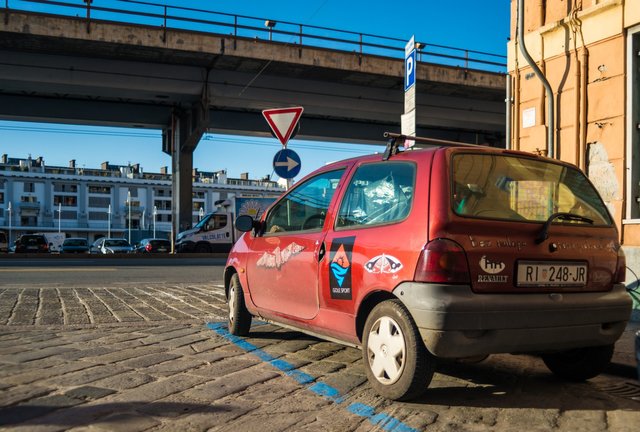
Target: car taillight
column 45, row 246
column 621, row 267
column 442, row 261
column 148, row 247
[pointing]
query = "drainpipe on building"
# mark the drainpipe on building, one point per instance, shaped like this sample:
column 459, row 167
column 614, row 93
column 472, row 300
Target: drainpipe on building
column 508, row 111
column 540, row 75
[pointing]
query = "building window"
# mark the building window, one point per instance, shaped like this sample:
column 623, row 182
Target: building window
column 103, row 190
column 29, row 187
column 135, row 223
column 162, row 192
column 67, row 201
column 29, row 221
column 100, row 202
column 69, row 215
column 1, row 197
column 98, row 216
column 162, row 204
column 65, row 187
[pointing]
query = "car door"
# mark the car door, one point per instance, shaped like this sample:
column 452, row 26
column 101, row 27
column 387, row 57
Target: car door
column 373, row 241
column 282, row 269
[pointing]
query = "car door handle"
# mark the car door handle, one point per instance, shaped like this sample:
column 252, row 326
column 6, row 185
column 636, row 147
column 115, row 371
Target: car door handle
column 321, row 252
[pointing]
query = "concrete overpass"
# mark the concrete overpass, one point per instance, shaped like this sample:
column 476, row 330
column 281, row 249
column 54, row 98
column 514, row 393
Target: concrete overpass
column 80, row 70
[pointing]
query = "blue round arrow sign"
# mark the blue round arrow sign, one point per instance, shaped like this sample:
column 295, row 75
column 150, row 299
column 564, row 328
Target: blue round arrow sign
column 286, row 163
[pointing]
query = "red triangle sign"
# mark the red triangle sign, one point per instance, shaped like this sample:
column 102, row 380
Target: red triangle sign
column 283, row 121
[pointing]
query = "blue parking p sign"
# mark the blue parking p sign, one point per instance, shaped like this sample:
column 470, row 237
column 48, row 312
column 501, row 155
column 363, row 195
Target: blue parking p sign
column 410, row 69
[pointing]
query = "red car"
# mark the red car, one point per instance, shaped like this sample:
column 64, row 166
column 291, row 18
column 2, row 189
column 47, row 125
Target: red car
column 453, row 251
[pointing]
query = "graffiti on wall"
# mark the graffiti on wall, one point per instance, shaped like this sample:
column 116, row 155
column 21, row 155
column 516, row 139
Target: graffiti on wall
column 603, row 175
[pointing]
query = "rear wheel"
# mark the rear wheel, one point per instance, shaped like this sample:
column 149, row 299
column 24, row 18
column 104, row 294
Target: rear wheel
column 579, row 364
column 239, row 321
column 203, row 248
column 397, row 363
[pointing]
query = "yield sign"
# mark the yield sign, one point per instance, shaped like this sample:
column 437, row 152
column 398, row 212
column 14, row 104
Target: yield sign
column 283, row 121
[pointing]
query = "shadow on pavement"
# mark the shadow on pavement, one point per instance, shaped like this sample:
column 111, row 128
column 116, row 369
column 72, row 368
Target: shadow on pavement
column 503, row 383
column 105, row 414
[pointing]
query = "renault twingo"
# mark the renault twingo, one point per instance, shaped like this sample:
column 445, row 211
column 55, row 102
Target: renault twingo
column 452, row 251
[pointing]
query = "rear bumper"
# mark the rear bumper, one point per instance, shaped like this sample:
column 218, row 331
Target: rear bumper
column 455, row 322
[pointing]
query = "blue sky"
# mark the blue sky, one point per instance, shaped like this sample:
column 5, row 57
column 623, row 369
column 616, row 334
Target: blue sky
column 468, row 24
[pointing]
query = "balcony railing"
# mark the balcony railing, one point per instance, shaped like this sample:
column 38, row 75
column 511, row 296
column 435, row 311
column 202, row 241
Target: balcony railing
column 30, row 205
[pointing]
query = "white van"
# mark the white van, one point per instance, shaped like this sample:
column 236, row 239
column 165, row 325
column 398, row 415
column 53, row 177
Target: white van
column 54, row 240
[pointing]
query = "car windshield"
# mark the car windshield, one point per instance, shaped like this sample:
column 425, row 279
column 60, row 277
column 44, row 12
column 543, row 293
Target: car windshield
column 119, row 243
column 522, row 189
column 75, row 242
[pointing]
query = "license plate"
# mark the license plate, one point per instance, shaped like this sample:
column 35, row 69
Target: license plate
column 162, row 249
column 557, row 273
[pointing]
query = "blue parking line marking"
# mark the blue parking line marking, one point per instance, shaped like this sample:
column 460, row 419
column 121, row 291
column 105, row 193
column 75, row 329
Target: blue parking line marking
column 384, row 421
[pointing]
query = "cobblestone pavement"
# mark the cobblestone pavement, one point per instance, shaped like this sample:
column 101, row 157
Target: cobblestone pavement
column 134, row 357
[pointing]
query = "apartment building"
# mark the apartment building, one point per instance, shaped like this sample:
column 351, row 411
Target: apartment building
column 96, row 202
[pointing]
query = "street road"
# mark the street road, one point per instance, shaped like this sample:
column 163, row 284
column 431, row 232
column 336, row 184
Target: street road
column 142, row 347
column 60, row 271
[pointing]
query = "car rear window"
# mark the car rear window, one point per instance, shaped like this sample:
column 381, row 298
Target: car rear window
column 521, row 189
column 116, row 243
column 75, row 242
column 34, row 239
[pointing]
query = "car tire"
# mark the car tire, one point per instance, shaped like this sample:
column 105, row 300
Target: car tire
column 202, row 248
column 398, row 365
column 239, row 319
column 579, row 364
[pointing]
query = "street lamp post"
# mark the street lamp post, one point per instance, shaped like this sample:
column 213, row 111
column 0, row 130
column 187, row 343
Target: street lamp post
column 129, row 202
column 59, row 215
column 155, row 213
column 144, row 216
column 109, row 223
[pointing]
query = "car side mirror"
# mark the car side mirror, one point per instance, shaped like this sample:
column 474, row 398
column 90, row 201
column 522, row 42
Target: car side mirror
column 244, row 223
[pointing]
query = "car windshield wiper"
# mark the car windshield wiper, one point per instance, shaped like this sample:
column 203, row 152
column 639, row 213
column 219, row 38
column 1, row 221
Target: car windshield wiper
column 544, row 232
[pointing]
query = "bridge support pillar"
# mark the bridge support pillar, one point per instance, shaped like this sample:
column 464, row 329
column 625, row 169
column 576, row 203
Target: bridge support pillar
column 180, row 140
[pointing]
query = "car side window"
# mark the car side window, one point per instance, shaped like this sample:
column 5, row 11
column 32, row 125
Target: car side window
column 305, row 207
column 378, row 193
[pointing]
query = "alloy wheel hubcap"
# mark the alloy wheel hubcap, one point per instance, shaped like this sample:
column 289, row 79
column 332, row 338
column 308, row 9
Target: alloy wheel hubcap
column 232, row 302
column 386, row 350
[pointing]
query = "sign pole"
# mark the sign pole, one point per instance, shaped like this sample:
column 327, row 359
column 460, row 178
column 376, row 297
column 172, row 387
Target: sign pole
column 408, row 119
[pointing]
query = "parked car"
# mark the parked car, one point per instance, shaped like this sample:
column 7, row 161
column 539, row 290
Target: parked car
column 31, row 243
column 4, row 243
column 455, row 251
column 75, row 245
column 153, row 245
column 111, row 245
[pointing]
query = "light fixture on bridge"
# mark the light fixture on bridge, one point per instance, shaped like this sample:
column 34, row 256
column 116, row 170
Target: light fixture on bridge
column 270, row 24
column 420, row 45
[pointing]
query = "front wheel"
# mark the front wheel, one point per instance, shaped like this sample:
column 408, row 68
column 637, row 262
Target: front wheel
column 579, row 364
column 239, row 320
column 397, row 363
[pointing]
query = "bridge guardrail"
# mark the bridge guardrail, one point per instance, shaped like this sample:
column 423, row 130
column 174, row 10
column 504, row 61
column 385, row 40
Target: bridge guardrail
column 241, row 26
